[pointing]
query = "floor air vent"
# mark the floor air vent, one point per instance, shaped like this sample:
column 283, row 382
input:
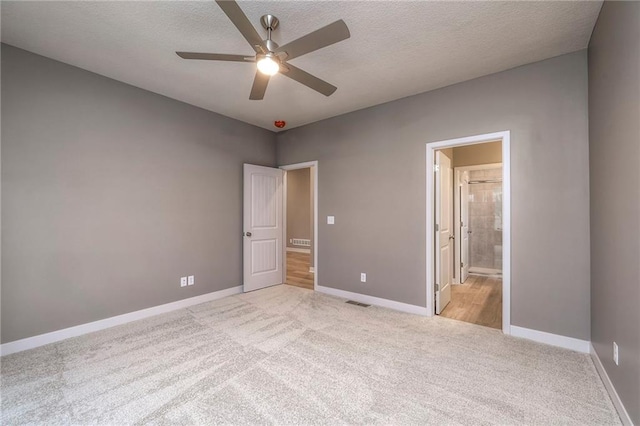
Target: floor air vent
column 353, row 302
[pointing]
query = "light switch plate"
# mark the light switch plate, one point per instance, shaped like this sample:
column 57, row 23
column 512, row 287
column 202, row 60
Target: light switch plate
column 331, row 220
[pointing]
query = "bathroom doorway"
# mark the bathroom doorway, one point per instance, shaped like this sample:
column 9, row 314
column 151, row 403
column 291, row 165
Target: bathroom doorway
column 477, row 290
column 474, row 215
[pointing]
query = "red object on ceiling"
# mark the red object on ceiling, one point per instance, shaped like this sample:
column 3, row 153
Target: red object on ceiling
column 279, row 124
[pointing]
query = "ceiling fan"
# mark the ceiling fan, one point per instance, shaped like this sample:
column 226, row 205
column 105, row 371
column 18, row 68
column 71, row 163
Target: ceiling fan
column 271, row 58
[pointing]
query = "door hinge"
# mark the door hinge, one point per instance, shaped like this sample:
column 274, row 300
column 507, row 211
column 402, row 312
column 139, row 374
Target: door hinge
column 436, row 168
column 437, row 287
column 437, row 227
column 462, row 264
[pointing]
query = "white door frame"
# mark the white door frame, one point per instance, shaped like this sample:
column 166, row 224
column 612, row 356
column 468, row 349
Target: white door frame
column 314, row 169
column 505, row 137
column 456, row 210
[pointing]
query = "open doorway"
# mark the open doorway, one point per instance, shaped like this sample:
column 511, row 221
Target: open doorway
column 468, row 228
column 476, row 295
column 300, row 224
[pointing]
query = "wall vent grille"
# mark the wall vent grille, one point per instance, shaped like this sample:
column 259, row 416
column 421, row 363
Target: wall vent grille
column 301, row 242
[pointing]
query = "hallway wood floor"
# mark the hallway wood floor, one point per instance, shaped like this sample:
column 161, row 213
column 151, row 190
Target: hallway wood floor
column 298, row 270
column 478, row 301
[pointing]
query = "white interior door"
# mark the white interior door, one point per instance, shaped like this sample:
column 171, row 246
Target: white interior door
column 464, row 227
column 444, row 230
column 263, row 229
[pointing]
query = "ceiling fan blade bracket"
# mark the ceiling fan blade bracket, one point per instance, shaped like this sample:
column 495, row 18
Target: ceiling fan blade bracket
column 284, row 67
column 282, row 56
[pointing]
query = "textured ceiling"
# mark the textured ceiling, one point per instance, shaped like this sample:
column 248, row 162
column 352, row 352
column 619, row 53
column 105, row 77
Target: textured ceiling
column 396, row 48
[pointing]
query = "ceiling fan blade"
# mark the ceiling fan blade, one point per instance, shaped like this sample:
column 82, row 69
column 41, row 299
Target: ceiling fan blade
column 318, row 39
column 259, row 86
column 240, row 20
column 308, row 80
column 214, row 57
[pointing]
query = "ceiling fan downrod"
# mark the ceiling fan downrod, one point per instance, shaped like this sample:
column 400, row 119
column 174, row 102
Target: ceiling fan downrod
column 270, row 23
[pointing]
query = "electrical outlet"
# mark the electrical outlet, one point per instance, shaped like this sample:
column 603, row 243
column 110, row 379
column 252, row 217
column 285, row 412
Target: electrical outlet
column 363, row 277
column 331, row 220
column 183, row 281
column 191, row 280
column 615, row 353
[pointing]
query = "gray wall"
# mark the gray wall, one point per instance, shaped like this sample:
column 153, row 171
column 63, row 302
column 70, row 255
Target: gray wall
column 372, row 178
column 298, row 205
column 614, row 141
column 110, row 194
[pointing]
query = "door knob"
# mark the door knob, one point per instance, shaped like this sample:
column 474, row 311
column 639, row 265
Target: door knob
column 451, row 237
column 248, row 234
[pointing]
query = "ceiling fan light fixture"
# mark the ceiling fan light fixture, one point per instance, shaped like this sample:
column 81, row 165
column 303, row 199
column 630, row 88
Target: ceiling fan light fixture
column 267, row 65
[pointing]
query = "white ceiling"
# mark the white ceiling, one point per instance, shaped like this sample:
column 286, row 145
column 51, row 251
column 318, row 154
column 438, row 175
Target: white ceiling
column 396, row 48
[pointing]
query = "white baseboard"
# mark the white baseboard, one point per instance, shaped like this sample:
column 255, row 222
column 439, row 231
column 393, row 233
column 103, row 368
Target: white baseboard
column 552, row 339
column 298, row 250
column 78, row 330
column 615, row 398
column 312, row 269
column 371, row 300
column 484, row 271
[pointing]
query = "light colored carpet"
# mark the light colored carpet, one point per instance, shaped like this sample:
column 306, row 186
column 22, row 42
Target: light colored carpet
column 285, row 355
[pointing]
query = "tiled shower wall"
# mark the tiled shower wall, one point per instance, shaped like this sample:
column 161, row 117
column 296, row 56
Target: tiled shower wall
column 485, row 219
